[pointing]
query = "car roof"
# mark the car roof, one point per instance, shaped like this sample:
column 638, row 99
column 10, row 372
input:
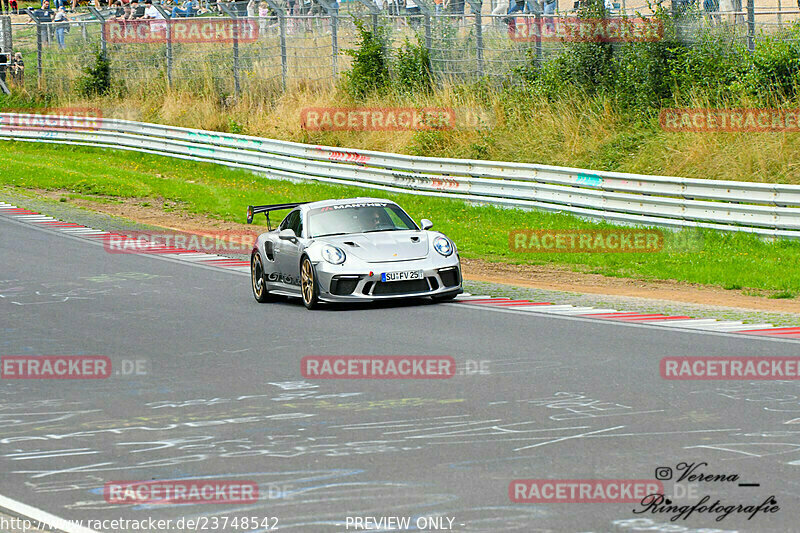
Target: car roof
column 359, row 200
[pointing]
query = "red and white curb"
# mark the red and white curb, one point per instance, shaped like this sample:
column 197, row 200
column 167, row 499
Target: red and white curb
column 681, row 321
column 678, row 321
column 183, row 254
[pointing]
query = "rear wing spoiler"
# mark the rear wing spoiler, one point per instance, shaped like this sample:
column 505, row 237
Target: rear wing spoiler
column 252, row 210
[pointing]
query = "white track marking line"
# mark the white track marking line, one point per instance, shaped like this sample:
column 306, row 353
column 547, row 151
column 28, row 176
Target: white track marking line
column 45, row 519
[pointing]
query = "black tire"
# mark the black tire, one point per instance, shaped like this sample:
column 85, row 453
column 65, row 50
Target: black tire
column 309, row 289
column 257, row 281
column 444, row 298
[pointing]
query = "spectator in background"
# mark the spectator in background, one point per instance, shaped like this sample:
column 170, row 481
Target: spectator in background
column 500, row 9
column 18, row 70
column 711, row 7
column 62, row 27
column 14, row 6
column 5, row 6
column 44, row 15
column 413, row 13
column 137, row 11
column 187, row 9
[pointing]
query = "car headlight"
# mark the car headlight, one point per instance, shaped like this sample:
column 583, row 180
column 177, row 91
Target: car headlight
column 333, row 255
column 443, row 246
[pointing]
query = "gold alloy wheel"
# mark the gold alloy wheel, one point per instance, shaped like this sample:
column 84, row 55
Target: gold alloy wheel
column 257, row 278
column 307, row 282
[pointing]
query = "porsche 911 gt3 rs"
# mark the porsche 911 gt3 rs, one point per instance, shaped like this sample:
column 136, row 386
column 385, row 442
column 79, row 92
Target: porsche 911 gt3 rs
column 358, row 249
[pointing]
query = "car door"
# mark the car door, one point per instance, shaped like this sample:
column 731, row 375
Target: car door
column 287, row 252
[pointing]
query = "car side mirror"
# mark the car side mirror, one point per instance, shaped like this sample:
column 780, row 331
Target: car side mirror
column 426, row 224
column 287, row 235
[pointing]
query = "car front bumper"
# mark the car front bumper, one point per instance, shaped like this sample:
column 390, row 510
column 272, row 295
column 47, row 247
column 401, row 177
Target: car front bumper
column 362, row 282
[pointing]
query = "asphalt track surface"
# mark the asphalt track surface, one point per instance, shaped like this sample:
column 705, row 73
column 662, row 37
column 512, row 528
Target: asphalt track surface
column 223, row 398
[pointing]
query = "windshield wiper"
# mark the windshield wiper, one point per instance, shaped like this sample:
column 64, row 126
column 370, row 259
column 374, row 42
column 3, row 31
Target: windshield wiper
column 376, row 230
column 331, row 234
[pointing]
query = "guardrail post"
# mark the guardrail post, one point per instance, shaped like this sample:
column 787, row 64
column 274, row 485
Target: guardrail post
column 751, row 26
column 99, row 16
column 228, row 11
column 168, row 18
column 476, row 6
column 282, row 25
column 333, row 14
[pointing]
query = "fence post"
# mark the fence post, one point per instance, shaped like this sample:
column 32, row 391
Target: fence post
column 538, row 21
column 374, row 11
column 228, row 11
column 282, row 25
column 168, row 18
column 99, row 16
column 6, row 50
column 333, row 14
column 425, row 9
column 39, row 78
column 476, row 6
column 751, row 26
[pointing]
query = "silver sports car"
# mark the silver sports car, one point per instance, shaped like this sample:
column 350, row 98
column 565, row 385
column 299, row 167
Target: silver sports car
column 359, row 249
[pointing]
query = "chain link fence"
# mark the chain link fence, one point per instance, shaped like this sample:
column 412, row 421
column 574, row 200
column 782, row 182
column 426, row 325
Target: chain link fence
column 230, row 53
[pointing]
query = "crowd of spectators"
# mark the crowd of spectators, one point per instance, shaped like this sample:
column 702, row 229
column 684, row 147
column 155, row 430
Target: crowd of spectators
column 12, row 69
column 9, row 7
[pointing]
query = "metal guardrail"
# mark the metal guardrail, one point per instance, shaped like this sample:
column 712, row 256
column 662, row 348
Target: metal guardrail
column 764, row 209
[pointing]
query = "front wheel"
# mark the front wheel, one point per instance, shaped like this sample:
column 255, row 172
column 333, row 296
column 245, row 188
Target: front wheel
column 258, row 283
column 308, row 284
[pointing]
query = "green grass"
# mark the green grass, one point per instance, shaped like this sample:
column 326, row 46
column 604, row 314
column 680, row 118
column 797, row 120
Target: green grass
column 706, row 257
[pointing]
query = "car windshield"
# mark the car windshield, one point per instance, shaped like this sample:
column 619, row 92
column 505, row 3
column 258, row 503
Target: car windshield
column 361, row 217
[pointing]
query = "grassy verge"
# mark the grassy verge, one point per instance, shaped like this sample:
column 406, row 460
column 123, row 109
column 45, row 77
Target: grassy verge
column 729, row 260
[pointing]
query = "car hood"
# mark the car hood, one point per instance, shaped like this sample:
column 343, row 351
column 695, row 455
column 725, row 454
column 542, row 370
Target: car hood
column 384, row 246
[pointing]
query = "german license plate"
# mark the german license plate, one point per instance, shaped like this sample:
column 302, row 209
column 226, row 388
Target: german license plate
column 401, row 276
